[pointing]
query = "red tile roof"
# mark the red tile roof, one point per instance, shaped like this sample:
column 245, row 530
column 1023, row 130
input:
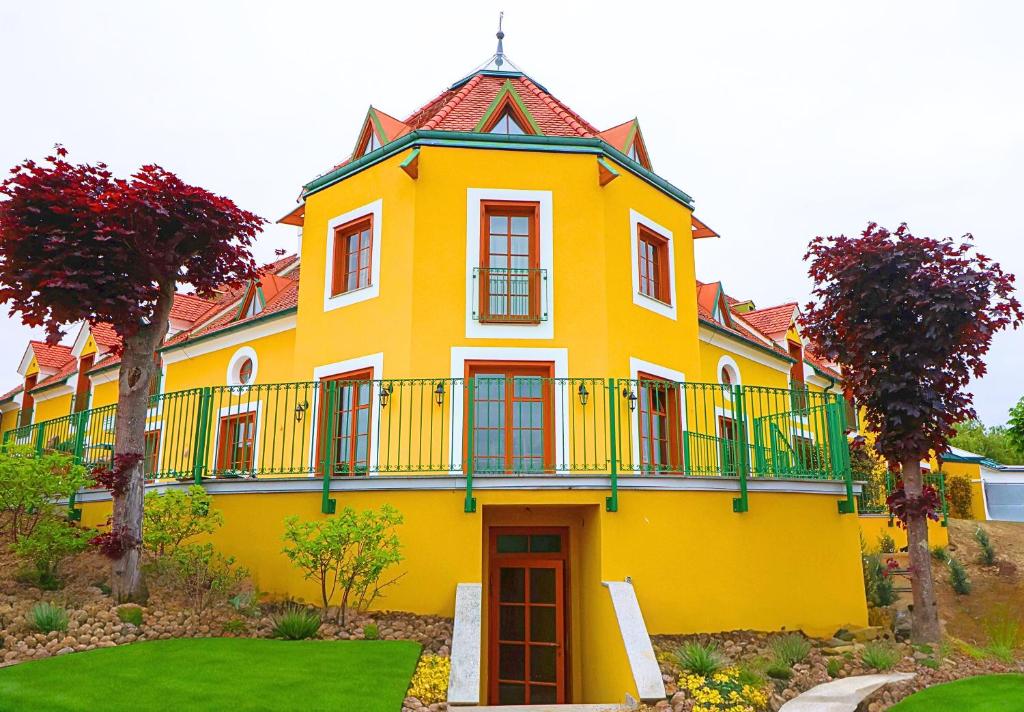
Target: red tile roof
column 773, row 321
column 51, row 356
column 62, row 375
column 105, row 335
column 11, row 393
column 189, row 307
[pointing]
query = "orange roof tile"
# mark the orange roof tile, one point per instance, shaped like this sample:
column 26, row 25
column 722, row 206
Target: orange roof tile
column 189, row 307
column 51, row 356
column 62, row 375
column 11, row 393
column 774, row 321
column 105, row 335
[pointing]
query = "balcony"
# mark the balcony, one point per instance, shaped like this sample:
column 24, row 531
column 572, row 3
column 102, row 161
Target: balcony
column 496, row 426
column 510, row 296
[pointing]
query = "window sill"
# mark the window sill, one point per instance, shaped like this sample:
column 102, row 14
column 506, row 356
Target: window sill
column 654, row 300
column 349, row 292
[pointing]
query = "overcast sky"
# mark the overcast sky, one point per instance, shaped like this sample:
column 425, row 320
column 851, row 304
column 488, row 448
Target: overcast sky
column 783, row 120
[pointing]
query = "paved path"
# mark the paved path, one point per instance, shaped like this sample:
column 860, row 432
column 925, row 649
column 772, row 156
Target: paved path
column 842, row 695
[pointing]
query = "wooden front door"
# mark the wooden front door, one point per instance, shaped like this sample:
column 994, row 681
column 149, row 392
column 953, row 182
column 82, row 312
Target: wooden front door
column 527, row 616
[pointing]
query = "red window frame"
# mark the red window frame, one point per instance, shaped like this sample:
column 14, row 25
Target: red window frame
column 796, row 375
column 236, row 442
column 490, row 254
column 510, row 370
column 343, row 278
column 652, row 264
column 344, row 447
column 245, row 371
column 82, row 388
column 151, row 448
column 658, row 398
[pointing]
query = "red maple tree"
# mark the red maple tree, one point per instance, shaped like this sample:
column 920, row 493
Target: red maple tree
column 78, row 243
column 910, row 319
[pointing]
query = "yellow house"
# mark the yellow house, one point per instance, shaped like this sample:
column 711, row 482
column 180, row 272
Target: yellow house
column 497, row 329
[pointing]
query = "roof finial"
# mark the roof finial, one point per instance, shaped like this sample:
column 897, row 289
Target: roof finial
column 499, row 57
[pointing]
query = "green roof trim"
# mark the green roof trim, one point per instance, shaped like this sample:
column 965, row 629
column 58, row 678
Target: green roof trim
column 462, row 139
column 380, row 128
column 410, row 158
column 715, row 326
column 607, row 166
column 631, row 136
column 238, row 326
column 507, row 90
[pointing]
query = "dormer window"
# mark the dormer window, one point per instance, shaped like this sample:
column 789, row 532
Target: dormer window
column 252, row 303
column 507, row 124
column 372, row 144
column 253, row 309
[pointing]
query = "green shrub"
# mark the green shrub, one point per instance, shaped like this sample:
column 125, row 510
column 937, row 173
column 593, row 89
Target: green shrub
column 879, row 588
column 130, row 614
column 235, row 626
column 29, row 484
column 49, row 544
column 958, row 577
column 833, row 667
column 346, row 554
column 790, row 649
column 296, row 623
column 929, row 663
column 988, row 552
column 886, row 544
column 173, row 517
column 246, row 603
column 958, row 492
column 371, row 631
column 880, row 655
column 47, row 617
column 940, row 553
column 702, row 659
column 751, row 674
column 202, row 575
column 778, row 671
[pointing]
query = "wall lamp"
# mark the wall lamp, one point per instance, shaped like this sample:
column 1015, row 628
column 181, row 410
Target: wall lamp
column 583, row 393
column 300, row 409
column 385, row 394
column 629, row 395
column 439, row 393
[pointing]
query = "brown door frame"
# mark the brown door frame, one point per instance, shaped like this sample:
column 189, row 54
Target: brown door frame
column 563, row 612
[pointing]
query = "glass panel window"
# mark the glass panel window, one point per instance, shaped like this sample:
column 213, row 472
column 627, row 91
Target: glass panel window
column 658, row 424
column 237, row 438
column 652, row 264
column 152, row 456
column 507, row 124
column 509, row 259
column 512, row 418
column 347, row 399
column 353, row 252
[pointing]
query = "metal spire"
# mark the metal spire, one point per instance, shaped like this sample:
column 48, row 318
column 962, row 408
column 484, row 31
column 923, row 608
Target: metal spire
column 499, row 57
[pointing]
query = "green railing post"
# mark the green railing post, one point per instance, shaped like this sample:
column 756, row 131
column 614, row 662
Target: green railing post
column 328, row 505
column 890, row 484
column 836, row 427
column 470, row 504
column 742, row 503
column 81, row 424
column 942, row 493
column 202, row 443
column 611, row 503
column 40, row 431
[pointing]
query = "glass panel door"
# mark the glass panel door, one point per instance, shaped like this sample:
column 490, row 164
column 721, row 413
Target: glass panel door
column 512, row 419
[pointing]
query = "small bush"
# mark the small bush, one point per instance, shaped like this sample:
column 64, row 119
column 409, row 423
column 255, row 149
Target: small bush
column 880, row 655
column 371, row 631
column 52, row 541
column 235, row 626
column 958, row 577
column 700, row 659
column 130, row 614
column 173, row 517
column 751, row 674
column 246, row 603
column 988, row 552
column 430, row 681
column 958, row 492
column 929, row 663
column 1003, row 630
column 940, row 553
column 296, row 623
column 833, row 667
column 46, row 618
column 879, row 588
column 790, row 649
column 203, row 575
column 886, row 544
column 778, row 671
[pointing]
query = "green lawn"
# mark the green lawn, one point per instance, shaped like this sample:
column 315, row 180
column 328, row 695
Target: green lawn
column 987, row 693
column 232, row 674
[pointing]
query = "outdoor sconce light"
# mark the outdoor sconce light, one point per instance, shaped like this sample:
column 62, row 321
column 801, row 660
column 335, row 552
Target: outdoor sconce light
column 583, row 393
column 300, row 409
column 439, row 393
column 630, row 396
column 385, row 393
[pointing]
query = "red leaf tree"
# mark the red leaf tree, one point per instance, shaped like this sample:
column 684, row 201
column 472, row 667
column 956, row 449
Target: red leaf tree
column 77, row 243
column 910, row 320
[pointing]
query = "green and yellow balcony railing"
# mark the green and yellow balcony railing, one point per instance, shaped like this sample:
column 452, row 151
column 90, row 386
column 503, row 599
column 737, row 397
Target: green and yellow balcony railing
column 486, row 425
column 876, row 490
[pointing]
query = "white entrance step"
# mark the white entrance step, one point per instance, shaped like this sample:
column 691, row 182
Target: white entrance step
column 841, row 695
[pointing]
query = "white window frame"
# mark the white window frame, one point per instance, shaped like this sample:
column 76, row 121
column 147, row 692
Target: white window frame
column 235, row 366
column 636, row 366
column 476, row 196
column 363, row 293
column 639, row 298
column 375, row 362
column 238, row 409
column 462, row 354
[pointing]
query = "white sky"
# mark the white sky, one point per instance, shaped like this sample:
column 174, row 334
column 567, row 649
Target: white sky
column 784, row 120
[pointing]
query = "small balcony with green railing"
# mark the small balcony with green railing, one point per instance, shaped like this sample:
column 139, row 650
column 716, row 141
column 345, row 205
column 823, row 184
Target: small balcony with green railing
column 478, row 427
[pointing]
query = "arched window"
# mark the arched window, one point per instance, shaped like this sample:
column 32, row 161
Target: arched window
column 243, row 367
column 726, row 376
column 245, row 372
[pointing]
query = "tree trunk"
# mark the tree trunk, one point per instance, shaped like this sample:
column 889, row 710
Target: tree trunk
column 926, row 610
column 137, row 369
